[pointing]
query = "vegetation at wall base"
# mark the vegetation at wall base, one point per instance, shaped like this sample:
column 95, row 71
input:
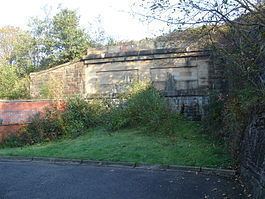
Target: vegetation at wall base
column 142, row 105
column 139, row 127
column 189, row 147
column 80, row 115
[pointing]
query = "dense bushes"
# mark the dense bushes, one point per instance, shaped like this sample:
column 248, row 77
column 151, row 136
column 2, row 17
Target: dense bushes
column 80, row 115
column 229, row 115
column 212, row 122
column 140, row 106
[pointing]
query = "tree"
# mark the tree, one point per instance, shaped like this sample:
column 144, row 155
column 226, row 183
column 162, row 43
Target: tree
column 12, row 86
column 59, row 38
column 15, row 63
column 98, row 34
column 185, row 13
column 17, row 48
column 8, row 39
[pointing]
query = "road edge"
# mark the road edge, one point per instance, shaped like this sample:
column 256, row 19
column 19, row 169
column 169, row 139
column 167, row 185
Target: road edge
column 160, row 167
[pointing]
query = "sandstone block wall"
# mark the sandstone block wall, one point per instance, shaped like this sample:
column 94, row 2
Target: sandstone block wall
column 182, row 76
column 64, row 80
column 170, row 71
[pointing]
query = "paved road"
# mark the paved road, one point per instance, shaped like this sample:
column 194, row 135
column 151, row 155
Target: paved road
column 32, row 180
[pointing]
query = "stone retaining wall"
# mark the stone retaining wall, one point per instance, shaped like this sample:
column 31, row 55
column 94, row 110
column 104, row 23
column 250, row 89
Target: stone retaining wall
column 253, row 156
column 63, row 80
column 176, row 73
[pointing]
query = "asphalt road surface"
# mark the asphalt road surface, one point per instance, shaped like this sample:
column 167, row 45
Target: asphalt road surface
column 32, row 180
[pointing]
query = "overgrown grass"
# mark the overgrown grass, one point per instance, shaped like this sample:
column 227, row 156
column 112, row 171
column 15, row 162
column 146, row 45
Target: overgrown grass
column 187, row 147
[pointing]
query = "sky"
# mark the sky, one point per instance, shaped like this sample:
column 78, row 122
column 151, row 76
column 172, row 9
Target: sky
column 115, row 16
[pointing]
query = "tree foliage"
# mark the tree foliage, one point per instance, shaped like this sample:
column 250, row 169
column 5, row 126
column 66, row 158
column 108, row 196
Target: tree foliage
column 24, row 54
column 51, row 41
column 59, row 38
column 12, row 86
column 8, row 39
column 100, row 37
column 17, row 49
column 13, row 78
column 184, row 13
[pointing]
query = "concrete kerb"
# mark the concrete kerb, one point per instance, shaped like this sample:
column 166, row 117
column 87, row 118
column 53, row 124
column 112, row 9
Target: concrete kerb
column 156, row 167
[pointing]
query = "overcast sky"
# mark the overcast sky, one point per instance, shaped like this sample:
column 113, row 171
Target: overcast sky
column 115, row 16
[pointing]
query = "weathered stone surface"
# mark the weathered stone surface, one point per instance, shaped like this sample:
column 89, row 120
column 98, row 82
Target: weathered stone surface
column 253, row 156
column 69, row 78
column 176, row 73
column 111, row 72
column 191, row 107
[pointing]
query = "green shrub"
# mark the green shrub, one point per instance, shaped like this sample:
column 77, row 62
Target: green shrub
column 12, row 140
column 116, row 118
column 213, row 121
column 42, row 128
column 147, row 108
column 81, row 115
column 142, row 106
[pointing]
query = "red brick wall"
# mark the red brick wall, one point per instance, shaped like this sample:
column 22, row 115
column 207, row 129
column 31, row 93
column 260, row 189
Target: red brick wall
column 16, row 114
column 20, row 112
column 10, row 129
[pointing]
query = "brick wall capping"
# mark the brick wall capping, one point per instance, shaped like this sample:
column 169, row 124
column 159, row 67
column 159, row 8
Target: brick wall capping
column 31, row 100
column 15, row 124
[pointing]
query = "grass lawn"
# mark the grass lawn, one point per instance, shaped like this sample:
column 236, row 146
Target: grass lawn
column 188, row 147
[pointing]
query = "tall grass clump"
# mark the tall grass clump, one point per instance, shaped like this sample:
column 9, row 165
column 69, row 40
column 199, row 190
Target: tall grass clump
column 142, row 106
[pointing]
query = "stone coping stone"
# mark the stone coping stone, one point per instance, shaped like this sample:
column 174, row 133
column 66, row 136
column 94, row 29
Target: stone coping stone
column 142, row 53
column 52, row 68
column 159, row 167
